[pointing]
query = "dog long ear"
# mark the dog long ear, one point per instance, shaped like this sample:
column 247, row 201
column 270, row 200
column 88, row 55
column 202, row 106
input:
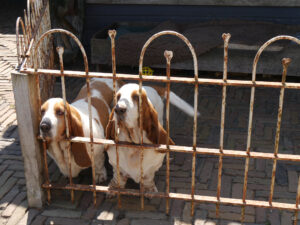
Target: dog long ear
column 110, row 128
column 155, row 131
column 78, row 150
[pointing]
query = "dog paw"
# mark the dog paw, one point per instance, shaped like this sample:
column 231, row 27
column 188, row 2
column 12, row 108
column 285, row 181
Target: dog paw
column 100, row 177
column 111, row 185
column 151, row 188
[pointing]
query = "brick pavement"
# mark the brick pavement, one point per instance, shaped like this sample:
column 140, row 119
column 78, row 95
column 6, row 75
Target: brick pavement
column 13, row 205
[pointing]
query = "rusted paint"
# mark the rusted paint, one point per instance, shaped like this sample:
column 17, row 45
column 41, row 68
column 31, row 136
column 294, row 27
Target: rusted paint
column 20, row 39
column 226, row 38
column 33, row 28
column 189, row 149
column 297, row 202
column 46, row 171
column 141, row 137
column 157, row 78
column 285, row 64
column 191, row 48
column 179, row 196
column 168, row 55
column 60, row 52
column 112, row 34
column 153, row 37
column 52, row 31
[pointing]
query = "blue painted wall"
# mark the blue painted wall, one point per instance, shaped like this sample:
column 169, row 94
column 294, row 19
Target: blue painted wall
column 100, row 16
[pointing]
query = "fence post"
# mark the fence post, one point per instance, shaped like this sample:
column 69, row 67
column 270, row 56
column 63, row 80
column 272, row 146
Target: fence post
column 27, row 108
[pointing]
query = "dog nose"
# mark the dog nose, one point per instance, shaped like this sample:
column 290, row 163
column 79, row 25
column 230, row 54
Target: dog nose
column 120, row 109
column 45, row 125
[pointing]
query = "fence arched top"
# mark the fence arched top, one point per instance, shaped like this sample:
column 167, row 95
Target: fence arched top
column 266, row 44
column 86, row 66
column 20, row 21
column 174, row 33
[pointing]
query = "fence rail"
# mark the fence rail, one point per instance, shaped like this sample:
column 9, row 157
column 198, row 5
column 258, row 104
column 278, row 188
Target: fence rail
column 33, row 68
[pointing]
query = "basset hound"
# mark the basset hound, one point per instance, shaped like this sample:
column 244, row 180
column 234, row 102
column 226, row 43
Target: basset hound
column 124, row 119
column 53, row 128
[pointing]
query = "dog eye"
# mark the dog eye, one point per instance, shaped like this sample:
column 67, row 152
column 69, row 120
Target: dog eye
column 135, row 97
column 59, row 112
column 42, row 111
column 118, row 97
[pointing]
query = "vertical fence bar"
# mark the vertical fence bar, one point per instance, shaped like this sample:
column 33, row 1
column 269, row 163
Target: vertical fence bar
column 46, row 172
column 186, row 41
column 91, row 132
column 297, row 203
column 285, row 64
column 20, row 39
column 60, row 51
column 168, row 55
column 194, row 140
column 249, row 139
column 112, row 34
column 226, row 38
column 141, row 140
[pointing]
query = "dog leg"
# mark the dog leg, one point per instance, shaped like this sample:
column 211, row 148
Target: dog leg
column 114, row 183
column 100, row 171
column 149, row 184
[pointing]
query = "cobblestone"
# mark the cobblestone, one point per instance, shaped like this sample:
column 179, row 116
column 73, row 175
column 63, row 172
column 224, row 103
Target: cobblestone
column 14, row 204
column 274, row 217
column 8, row 198
column 61, row 213
column 65, row 221
column 39, row 220
column 147, row 215
column 149, row 222
column 293, row 180
column 7, row 186
column 18, row 214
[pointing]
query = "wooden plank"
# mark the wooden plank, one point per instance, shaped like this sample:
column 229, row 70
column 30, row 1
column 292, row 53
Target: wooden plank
column 25, row 92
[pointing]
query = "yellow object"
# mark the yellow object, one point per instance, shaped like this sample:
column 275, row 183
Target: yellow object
column 147, row 71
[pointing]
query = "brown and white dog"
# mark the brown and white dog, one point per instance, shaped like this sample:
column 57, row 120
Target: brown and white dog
column 53, row 129
column 125, row 117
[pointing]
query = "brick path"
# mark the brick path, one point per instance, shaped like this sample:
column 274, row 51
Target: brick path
column 13, row 204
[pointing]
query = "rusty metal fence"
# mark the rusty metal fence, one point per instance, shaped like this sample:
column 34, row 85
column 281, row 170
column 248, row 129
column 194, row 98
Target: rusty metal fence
column 28, row 55
column 36, row 22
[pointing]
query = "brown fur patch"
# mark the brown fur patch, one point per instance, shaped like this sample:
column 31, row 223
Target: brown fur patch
column 78, row 150
column 102, row 110
column 155, row 132
column 110, row 129
column 61, row 124
column 161, row 90
column 45, row 106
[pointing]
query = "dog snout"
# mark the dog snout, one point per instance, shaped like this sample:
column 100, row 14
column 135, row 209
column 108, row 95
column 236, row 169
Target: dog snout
column 45, row 125
column 120, row 109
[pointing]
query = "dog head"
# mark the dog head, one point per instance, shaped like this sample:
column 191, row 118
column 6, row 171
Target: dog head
column 126, row 115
